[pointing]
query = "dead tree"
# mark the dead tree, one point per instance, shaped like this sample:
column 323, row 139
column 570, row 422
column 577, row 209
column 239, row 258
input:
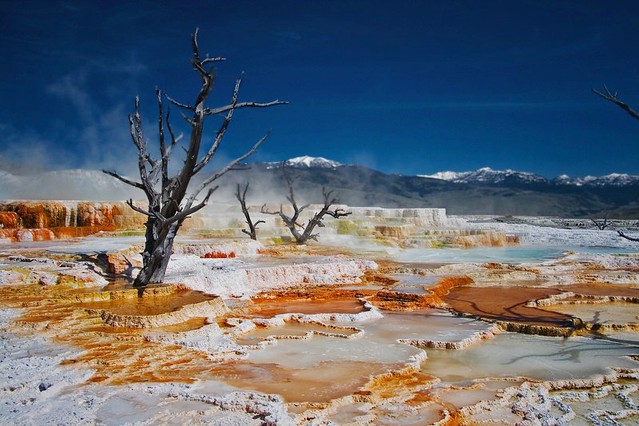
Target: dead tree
column 240, row 194
column 612, row 97
column 170, row 200
column 601, row 224
column 303, row 233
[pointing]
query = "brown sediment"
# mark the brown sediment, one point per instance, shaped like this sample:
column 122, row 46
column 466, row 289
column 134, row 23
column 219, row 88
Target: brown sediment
column 391, row 385
column 320, row 383
column 152, row 307
column 179, row 315
column 317, row 300
column 375, row 277
column 153, row 300
column 506, row 304
column 122, row 355
column 119, row 355
column 398, row 301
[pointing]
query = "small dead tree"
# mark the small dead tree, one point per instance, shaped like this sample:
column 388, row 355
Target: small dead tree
column 612, row 97
column 601, row 224
column 168, row 196
column 240, row 194
column 303, row 233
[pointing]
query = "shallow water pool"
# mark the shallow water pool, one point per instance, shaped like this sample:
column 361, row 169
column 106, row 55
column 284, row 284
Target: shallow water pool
column 517, row 254
column 533, row 357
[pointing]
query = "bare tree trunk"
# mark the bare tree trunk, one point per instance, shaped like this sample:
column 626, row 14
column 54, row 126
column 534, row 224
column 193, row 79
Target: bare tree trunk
column 158, row 249
column 241, row 197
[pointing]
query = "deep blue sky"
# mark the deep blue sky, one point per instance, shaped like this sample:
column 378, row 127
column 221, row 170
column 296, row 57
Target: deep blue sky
column 407, row 87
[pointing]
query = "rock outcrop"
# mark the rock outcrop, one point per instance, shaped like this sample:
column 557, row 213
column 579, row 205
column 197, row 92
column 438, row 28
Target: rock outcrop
column 46, row 220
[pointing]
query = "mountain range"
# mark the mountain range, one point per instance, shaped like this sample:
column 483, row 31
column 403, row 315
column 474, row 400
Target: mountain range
column 484, row 191
column 488, row 176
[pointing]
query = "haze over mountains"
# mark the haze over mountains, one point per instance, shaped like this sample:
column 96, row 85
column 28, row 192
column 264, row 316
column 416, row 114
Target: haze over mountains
column 484, row 191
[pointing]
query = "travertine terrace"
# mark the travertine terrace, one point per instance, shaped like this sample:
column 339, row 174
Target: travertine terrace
column 396, row 316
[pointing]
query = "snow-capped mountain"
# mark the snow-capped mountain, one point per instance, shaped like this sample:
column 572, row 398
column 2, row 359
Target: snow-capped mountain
column 484, row 191
column 613, row 179
column 486, row 175
column 306, row 162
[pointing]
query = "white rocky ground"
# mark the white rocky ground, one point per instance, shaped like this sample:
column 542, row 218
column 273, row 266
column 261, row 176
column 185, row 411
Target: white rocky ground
column 37, row 389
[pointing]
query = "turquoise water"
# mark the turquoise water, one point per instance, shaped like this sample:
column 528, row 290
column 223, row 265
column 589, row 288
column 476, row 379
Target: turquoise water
column 518, row 254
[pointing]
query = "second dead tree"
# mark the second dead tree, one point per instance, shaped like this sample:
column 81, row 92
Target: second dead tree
column 240, row 194
column 303, row 233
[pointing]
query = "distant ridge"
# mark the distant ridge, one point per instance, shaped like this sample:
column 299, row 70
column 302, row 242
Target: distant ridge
column 306, row 161
column 484, row 191
column 486, row 175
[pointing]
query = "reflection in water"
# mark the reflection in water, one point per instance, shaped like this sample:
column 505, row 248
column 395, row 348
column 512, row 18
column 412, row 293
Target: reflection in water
column 534, row 357
column 313, row 362
column 600, row 313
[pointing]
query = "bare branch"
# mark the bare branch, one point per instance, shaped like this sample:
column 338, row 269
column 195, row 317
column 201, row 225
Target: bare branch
column 225, row 108
column 337, row 213
column 139, row 209
column 123, row 179
column 265, row 211
column 612, row 97
column 209, row 60
column 621, row 234
column 174, row 139
column 220, row 133
column 180, row 104
column 196, row 51
column 230, row 166
column 181, row 215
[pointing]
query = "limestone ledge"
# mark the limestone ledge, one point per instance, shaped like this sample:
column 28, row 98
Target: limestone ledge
column 336, row 331
column 370, row 312
column 455, row 345
column 270, row 409
column 207, row 308
column 580, row 299
column 239, row 247
column 21, row 270
column 541, row 330
column 232, row 278
column 209, row 338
